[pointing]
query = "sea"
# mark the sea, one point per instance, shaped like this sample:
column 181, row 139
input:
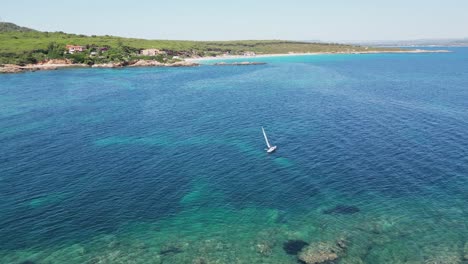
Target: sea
column 168, row 165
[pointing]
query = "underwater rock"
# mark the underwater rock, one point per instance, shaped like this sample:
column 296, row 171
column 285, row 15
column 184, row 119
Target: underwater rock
column 113, row 244
column 371, row 227
column 76, row 249
column 318, row 253
column 173, row 247
column 170, row 250
column 264, row 249
column 141, row 245
column 282, row 218
column 112, row 256
column 292, row 247
column 109, row 240
column 199, row 260
column 322, row 252
column 342, row 209
column 342, row 243
column 453, row 258
column 265, row 241
column 352, row 260
column 382, row 225
column 211, row 245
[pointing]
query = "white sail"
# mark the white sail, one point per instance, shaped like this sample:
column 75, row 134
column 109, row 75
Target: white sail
column 266, row 139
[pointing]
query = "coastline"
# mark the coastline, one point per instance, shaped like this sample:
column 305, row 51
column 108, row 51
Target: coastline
column 314, row 54
column 12, row 68
column 187, row 62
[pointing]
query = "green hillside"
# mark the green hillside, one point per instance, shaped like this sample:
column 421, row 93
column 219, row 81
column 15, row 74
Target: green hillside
column 32, row 46
column 10, row 27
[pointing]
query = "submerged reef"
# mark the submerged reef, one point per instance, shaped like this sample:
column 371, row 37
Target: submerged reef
column 292, row 247
column 172, row 248
column 323, row 252
column 342, row 209
column 450, row 258
column 266, row 241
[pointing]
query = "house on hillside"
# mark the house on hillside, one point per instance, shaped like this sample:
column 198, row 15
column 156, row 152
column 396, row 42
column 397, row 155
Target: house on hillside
column 151, row 52
column 249, row 53
column 73, row 48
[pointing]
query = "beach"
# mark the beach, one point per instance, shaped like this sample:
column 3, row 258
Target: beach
column 411, row 51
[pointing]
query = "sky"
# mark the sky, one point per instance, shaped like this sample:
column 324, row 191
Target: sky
column 325, row 20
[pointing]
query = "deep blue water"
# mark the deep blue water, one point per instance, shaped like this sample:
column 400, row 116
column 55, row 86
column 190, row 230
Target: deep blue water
column 178, row 153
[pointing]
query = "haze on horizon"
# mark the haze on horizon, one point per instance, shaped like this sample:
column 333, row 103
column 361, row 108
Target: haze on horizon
column 332, row 20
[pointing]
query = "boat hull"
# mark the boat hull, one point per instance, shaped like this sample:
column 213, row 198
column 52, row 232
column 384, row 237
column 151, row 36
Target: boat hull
column 271, row 149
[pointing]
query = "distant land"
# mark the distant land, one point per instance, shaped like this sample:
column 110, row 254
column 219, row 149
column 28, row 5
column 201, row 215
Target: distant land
column 462, row 42
column 23, row 49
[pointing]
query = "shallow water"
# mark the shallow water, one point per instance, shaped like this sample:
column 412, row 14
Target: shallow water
column 156, row 165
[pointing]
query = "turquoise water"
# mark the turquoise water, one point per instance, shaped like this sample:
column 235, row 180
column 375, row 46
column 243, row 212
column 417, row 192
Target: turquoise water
column 155, row 165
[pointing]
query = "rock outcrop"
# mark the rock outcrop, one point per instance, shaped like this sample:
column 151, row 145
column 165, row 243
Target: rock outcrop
column 8, row 68
column 56, row 61
column 182, row 64
column 322, row 252
column 146, row 63
column 108, row 65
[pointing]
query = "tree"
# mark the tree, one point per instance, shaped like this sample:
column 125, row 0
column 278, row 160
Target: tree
column 27, row 58
column 55, row 50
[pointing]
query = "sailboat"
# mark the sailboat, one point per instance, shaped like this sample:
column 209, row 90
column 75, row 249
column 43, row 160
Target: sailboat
column 271, row 148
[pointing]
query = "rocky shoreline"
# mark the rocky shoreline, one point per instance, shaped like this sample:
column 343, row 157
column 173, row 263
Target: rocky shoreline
column 58, row 64
column 11, row 68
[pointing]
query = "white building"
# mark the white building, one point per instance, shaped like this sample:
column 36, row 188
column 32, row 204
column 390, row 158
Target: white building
column 73, row 48
column 249, row 53
column 151, row 52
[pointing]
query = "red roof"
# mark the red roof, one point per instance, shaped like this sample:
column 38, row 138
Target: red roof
column 75, row 47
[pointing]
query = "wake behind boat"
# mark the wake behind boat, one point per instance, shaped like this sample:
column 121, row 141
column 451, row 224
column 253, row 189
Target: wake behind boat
column 270, row 148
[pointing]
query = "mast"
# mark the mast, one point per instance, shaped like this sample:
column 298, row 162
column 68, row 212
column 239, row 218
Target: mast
column 266, row 139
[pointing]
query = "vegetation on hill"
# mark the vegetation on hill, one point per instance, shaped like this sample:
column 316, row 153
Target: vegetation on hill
column 10, row 27
column 22, row 47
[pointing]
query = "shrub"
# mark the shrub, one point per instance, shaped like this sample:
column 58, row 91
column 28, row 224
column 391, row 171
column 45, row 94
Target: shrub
column 55, row 50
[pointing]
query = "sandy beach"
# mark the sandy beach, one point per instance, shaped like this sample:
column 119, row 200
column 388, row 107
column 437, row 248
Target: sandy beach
column 311, row 54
